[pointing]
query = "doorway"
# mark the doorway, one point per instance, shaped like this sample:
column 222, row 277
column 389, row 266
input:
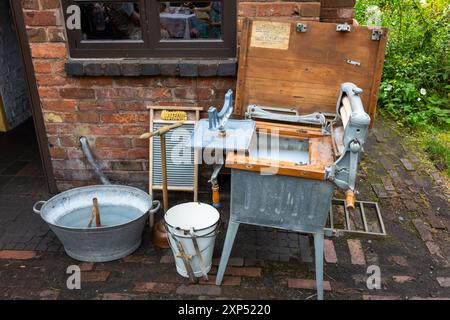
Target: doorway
column 25, row 164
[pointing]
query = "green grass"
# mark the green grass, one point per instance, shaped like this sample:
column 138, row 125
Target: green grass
column 434, row 144
column 437, row 146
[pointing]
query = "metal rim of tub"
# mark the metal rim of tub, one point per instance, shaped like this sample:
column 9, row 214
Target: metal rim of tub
column 153, row 207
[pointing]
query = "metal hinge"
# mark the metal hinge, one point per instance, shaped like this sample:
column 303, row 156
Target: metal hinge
column 344, row 27
column 354, row 63
column 376, row 34
column 301, row 27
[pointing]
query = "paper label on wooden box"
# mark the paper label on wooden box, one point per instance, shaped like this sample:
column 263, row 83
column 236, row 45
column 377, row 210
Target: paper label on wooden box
column 271, row 35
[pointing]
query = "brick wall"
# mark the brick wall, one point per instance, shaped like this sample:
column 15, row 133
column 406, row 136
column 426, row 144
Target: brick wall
column 337, row 11
column 110, row 111
column 13, row 87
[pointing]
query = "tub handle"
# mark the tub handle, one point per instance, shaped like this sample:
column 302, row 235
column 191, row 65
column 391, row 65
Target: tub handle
column 157, row 205
column 41, row 203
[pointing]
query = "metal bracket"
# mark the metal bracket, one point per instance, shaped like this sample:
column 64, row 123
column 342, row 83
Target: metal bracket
column 282, row 114
column 376, row 34
column 344, row 27
column 354, row 63
column 216, row 169
column 218, row 120
column 301, row 27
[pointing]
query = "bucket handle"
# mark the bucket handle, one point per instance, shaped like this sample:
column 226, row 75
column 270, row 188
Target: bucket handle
column 186, row 258
column 188, row 233
column 199, row 254
column 156, row 205
column 35, row 209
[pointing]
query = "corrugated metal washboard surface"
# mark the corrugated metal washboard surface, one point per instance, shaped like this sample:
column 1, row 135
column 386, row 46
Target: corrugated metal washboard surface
column 180, row 159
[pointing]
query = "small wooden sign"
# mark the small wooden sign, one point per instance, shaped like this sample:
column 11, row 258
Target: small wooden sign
column 271, row 35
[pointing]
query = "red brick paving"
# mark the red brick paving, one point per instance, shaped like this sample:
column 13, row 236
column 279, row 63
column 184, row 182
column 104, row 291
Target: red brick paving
column 434, row 249
column 423, row 232
column 119, row 296
column 94, row 276
column 86, row 266
column 444, row 281
column 399, row 260
column 432, row 298
column 50, row 294
column 329, row 251
column 167, row 259
column 227, row 280
column 253, row 272
column 356, row 252
column 199, row 290
column 379, row 297
column 17, row 255
column 139, row 259
column 403, row 279
column 233, row 262
column 154, row 287
column 307, row 284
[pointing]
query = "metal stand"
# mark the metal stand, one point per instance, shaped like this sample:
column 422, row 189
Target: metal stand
column 318, row 250
column 228, row 245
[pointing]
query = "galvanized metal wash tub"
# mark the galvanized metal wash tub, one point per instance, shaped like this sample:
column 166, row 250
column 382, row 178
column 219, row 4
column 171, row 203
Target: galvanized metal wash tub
column 105, row 243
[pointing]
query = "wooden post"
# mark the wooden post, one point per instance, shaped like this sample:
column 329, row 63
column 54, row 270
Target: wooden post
column 96, row 212
column 164, row 173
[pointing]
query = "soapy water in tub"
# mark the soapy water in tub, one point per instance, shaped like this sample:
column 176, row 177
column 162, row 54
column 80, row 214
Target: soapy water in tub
column 113, row 215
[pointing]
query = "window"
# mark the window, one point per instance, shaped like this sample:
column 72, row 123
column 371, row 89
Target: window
column 154, row 28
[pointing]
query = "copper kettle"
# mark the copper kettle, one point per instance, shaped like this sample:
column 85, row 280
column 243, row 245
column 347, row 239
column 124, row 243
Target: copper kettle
column 159, row 237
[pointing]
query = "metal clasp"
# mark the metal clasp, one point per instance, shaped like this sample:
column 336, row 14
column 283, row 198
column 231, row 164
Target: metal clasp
column 376, row 34
column 344, row 27
column 301, row 27
column 354, row 63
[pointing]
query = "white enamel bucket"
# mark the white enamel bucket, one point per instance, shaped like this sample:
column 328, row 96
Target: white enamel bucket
column 189, row 225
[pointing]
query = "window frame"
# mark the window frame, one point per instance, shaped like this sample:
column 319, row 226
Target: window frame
column 151, row 45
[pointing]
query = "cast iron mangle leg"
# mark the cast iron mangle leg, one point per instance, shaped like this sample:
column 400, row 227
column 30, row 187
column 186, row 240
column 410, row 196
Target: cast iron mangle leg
column 318, row 248
column 229, row 240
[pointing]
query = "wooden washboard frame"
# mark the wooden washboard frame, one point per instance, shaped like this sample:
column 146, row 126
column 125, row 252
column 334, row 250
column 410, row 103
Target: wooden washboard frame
column 196, row 117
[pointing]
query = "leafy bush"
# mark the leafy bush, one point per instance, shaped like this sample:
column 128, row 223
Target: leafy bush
column 414, row 88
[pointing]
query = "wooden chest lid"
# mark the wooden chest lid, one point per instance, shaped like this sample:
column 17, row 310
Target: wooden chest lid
column 282, row 67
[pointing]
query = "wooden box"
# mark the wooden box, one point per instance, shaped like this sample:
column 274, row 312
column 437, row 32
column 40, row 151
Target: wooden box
column 300, row 65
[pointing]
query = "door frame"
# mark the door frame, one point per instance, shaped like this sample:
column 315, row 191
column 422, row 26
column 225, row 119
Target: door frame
column 33, row 94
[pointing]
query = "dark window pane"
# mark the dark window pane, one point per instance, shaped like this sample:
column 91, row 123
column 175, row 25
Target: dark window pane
column 102, row 20
column 192, row 20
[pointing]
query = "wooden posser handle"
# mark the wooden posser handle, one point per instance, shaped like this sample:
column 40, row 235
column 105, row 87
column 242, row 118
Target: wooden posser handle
column 96, row 212
column 162, row 130
column 350, row 199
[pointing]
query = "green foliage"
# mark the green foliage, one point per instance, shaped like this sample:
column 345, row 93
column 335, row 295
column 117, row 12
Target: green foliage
column 439, row 153
column 414, row 88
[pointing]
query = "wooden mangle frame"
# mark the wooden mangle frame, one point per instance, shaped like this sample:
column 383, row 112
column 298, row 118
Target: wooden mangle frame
column 193, row 116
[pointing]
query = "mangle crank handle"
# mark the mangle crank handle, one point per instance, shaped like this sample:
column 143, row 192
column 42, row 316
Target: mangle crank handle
column 215, row 185
column 355, row 122
column 350, row 200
